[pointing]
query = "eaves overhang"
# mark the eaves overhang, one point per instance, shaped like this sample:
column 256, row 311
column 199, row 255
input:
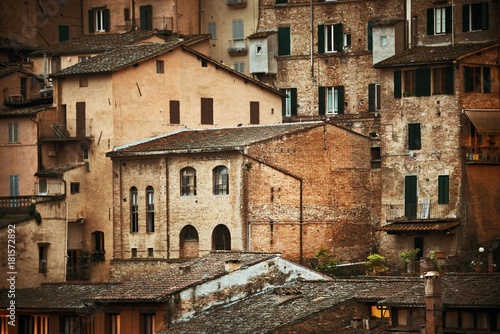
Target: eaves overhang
column 124, row 154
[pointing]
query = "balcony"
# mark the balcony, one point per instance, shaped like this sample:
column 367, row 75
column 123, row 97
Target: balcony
column 236, row 4
column 237, row 48
column 482, row 155
column 71, row 129
column 419, row 211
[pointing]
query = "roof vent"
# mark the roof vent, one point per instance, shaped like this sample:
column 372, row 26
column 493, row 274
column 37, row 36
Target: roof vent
column 232, row 265
column 185, row 269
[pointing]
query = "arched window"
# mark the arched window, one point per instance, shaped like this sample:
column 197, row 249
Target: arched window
column 188, row 181
column 221, row 238
column 134, row 210
column 150, row 210
column 189, row 242
column 221, row 180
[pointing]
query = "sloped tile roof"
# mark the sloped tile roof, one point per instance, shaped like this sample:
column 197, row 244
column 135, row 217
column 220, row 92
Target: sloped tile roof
column 423, row 226
column 159, row 285
column 433, row 54
column 459, row 290
column 59, row 169
column 211, row 140
column 96, row 43
column 54, row 296
column 23, row 112
column 270, row 311
column 8, row 70
column 123, row 56
column 11, row 44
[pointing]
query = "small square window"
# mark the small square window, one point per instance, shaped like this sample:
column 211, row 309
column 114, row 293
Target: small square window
column 150, row 252
column 84, row 81
column 160, row 66
column 383, row 40
column 74, row 187
column 258, row 50
column 134, row 252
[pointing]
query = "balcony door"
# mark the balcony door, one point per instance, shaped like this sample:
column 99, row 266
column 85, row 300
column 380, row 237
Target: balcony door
column 411, row 196
column 80, row 120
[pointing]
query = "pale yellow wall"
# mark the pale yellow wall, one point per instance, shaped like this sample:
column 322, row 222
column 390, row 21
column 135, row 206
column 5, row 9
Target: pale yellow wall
column 18, row 158
column 140, row 93
column 218, row 11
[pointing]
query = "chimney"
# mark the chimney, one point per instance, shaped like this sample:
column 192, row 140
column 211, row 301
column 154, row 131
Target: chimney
column 232, row 265
column 433, row 303
column 185, row 269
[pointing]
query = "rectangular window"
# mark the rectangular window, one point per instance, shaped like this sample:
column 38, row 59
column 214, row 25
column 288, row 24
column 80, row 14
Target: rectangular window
column 284, row 48
column 212, row 29
column 146, row 17
column 43, row 187
column 14, row 190
column 13, row 133
column 475, row 17
column 439, row 80
column 150, row 209
column 238, row 33
column 63, row 33
column 451, row 319
column 134, row 211
column 82, row 58
column 42, row 257
column 207, row 110
column 112, row 324
column 151, row 252
column 410, row 83
column 289, row 103
column 98, row 20
column 74, row 187
column 477, row 79
column 373, row 97
column 147, row 324
column 134, row 252
column 239, row 66
column 160, row 66
column 414, row 140
column 126, row 14
column 443, row 189
column 376, row 158
column 175, row 113
column 331, row 100
column 254, row 112
column 75, row 324
column 439, row 20
column 330, row 38
column 33, row 324
column 347, row 40
column 83, row 81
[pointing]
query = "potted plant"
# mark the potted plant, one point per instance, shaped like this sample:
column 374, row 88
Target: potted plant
column 376, row 264
column 408, row 258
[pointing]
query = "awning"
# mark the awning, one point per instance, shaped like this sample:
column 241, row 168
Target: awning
column 485, row 120
column 399, row 227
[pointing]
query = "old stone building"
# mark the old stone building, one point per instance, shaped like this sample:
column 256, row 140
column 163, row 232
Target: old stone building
column 290, row 188
column 439, row 129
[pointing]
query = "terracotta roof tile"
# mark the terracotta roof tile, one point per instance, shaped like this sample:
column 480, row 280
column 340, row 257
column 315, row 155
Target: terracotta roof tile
column 59, row 169
column 22, row 112
column 11, row 44
column 432, row 54
column 159, row 285
column 211, row 140
column 422, row 226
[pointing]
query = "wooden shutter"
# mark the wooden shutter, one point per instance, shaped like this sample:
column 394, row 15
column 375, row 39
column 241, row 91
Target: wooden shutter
column 338, row 37
column 370, row 35
column 467, row 79
column 146, row 17
column 321, row 100
column 449, row 19
column 254, row 112
column 486, row 80
column 484, row 16
column 423, row 82
column 443, row 189
column 430, row 21
column 293, row 96
column 175, row 117
column 207, row 111
column 284, row 41
column 91, row 21
column 449, row 80
column 397, row 84
column 105, row 20
column 63, row 33
column 321, row 38
column 465, row 17
column 414, row 138
column 80, row 120
column 371, row 97
column 341, row 91
column 411, row 197
column 281, row 1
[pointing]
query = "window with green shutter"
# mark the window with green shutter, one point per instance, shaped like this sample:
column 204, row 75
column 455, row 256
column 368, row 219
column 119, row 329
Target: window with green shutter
column 284, row 47
column 63, row 33
column 289, row 103
column 330, row 38
column 475, row 17
column 398, row 89
column 443, row 189
column 146, row 17
column 414, row 138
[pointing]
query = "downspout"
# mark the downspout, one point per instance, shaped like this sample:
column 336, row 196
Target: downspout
column 312, row 38
column 38, row 145
column 199, row 17
column 66, row 242
column 301, row 247
column 452, row 25
column 168, row 207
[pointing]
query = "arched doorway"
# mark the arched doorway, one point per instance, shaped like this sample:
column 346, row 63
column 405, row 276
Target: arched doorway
column 189, row 242
column 221, row 238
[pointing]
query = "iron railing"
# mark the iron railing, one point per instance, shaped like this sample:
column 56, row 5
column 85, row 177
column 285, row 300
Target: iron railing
column 418, row 211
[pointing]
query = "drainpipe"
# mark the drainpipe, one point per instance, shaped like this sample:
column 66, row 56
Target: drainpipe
column 38, row 145
column 66, row 242
column 301, row 250
column 312, row 39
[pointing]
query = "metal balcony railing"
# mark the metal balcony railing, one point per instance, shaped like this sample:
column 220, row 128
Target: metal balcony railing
column 8, row 202
column 237, row 47
column 424, row 210
column 236, row 3
column 482, row 154
column 69, row 129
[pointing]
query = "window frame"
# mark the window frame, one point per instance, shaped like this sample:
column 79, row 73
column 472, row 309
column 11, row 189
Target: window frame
column 160, row 67
column 238, row 30
column 414, row 136
column 330, row 38
column 475, row 17
column 100, row 20
column 134, row 210
column 443, row 189
column 188, row 181
column 13, row 133
column 220, row 180
column 174, row 112
column 150, row 210
column 207, row 111
column 212, row 29
column 289, row 103
column 43, row 253
column 284, row 41
column 323, row 100
column 477, row 79
column 254, row 112
column 43, row 186
column 374, row 97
